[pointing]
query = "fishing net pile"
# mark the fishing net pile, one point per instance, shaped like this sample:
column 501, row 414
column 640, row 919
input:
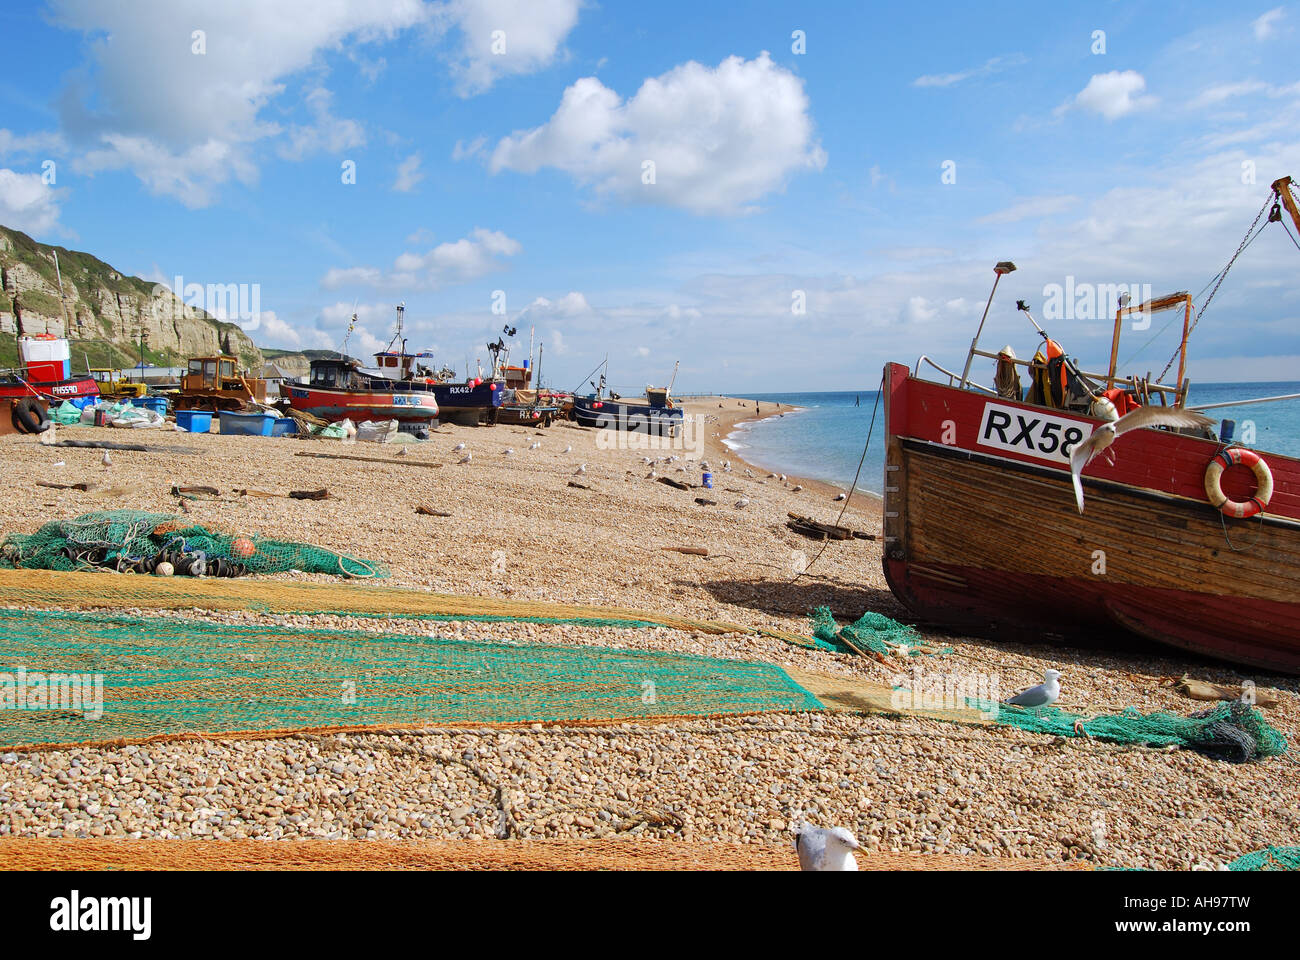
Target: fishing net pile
column 135, row 541
column 171, row 676
column 1231, row 730
column 872, row 632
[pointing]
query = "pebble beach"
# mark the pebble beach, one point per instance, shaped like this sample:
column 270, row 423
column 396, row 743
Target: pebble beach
column 520, row 529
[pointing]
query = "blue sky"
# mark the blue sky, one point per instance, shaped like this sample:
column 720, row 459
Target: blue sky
column 780, row 177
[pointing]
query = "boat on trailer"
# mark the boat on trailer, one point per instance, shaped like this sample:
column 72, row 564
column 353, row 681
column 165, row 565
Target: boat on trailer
column 1186, row 538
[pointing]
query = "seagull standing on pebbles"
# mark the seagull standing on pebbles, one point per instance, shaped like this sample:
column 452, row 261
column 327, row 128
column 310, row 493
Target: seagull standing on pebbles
column 742, row 503
column 826, row 850
column 1105, row 434
column 839, row 497
column 507, row 451
column 1043, row 695
column 458, row 448
column 467, row 458
column 534, row 445
column 402, row 452
column 568, row 449
column 581, row 471
column 106, row 460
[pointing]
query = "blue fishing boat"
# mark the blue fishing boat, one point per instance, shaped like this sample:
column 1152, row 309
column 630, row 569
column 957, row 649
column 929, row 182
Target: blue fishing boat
column 655, row 415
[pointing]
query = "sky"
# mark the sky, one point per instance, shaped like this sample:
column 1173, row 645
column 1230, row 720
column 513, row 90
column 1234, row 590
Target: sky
column 780, row 196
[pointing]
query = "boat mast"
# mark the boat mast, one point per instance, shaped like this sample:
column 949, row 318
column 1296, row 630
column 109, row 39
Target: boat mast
column 1005, row 266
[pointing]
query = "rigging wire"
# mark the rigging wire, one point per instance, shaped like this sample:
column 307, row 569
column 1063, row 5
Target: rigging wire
column 1251, row 234
column 854, row 486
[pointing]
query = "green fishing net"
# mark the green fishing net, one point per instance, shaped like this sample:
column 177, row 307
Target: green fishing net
column 171, row 675
column 1231, row 730
column 1270, row 858
column 135, row 541
column 873, row 632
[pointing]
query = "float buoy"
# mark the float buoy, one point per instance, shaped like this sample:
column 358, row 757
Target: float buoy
column 1238, row 456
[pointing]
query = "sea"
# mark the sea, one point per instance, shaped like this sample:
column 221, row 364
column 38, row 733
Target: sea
column 824, row 438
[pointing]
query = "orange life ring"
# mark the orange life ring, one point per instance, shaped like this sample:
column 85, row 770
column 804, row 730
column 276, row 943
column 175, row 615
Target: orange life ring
column 1263, row 482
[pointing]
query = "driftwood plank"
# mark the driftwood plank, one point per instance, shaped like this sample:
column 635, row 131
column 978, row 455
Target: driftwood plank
column 347, row 456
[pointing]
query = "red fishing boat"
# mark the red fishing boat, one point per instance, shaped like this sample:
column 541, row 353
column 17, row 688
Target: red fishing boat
column 47, row 372
column 396, row 388
column 1179, row 536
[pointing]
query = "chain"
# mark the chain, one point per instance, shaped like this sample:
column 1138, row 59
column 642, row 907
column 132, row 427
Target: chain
column 1223, row 274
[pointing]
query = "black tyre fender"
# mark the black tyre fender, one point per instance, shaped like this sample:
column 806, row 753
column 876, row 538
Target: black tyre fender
column 30, row 416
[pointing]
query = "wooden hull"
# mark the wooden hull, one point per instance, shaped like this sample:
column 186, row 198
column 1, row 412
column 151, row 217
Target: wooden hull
column 986, row 537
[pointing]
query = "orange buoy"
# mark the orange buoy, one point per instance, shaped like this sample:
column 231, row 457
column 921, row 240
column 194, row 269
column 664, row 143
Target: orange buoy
column 242, row 547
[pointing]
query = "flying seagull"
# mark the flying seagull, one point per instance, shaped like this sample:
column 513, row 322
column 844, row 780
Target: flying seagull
column 820, row 849
column 1042, row 695
column 1104, row 435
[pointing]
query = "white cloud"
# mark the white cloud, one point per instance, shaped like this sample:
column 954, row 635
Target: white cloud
column 719, row 139
column 1112, row 95
column 1225, row 91
column 27, row 203
column 990, row 66
column 1263, row 25
column 328, row 133
column 43, row 142
column 572, row 304
column 464, row 151
column 466, row 259
column 1030, row 208
column 183, row 122
column 504, row 37
column 191, row 176
column 274, row 332
column 408, row 174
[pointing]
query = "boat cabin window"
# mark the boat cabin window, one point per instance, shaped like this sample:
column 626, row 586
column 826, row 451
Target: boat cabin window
column 325, row 376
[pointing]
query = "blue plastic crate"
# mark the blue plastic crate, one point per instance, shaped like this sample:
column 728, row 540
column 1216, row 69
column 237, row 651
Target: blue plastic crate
column 195, row 421
column 247, row 424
